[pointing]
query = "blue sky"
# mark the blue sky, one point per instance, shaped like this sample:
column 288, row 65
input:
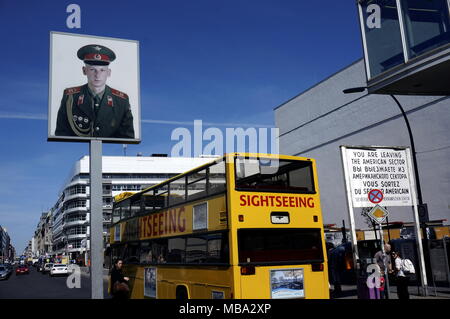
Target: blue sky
column 212, row 60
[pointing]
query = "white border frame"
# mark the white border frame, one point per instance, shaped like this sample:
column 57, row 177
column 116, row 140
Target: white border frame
column 136, row 115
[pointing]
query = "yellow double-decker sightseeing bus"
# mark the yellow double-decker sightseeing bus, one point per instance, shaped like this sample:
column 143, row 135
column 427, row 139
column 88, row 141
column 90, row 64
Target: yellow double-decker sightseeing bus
column 243, row 226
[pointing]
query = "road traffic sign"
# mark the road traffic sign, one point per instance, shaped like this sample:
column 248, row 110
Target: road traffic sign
column 382, row 168
column 378, row 214
column 375, row 196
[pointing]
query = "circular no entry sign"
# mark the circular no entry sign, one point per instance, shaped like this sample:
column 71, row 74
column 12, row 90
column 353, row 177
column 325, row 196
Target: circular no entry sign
column 375, row 196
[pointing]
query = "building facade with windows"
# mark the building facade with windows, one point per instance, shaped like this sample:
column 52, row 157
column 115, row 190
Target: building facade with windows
column 4, row 245
column 318, row 121
column 70, row 214
column 41, row 243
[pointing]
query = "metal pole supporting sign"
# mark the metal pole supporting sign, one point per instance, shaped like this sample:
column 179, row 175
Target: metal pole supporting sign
column 356, row 261
column 96, row 219
column 423, row 273
column 386, row 266
column 378, row 215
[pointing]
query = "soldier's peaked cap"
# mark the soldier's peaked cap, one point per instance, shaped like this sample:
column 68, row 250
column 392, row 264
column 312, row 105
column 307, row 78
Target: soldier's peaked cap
column 96, row 54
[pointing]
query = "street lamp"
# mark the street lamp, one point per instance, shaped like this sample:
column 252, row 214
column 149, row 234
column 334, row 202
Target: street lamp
column 413, row 148
column 411, row 139
column 421, row 207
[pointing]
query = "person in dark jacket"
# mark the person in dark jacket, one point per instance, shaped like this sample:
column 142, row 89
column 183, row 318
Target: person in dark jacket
column 95, row 109
column 117, row 278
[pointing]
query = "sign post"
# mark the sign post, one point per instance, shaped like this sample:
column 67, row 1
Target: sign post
column 379, row 173
column 423, row 275
column 378, row 214
column 96, row 219
column 104, row 109
column 350, row 210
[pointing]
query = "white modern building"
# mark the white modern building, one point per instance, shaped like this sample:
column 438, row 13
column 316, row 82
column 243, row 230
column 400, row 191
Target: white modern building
column 120, row 174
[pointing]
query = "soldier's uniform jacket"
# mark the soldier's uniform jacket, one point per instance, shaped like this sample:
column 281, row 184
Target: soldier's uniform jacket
column 76, row 115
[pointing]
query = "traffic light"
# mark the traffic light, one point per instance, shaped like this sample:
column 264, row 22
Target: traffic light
column 423, row 213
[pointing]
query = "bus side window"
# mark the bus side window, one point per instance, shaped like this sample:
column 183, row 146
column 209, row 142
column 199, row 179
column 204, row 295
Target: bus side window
column 196, row 249
column 146, row 253
column 159, row 251
column 177, row 250
column 131, row 253
column 217, row 248
column 177, row 191
column 197, row 185
column 217, row 178
column 116, row 214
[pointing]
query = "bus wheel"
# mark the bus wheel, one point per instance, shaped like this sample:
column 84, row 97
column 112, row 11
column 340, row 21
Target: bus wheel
column 181, row 293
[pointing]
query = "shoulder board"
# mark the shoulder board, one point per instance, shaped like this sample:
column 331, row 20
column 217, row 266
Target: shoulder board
column 73, row 90
column 119, row 94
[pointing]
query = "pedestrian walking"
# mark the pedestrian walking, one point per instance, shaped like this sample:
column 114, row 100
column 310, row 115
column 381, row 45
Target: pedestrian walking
column 119, row 288
column 337, row 267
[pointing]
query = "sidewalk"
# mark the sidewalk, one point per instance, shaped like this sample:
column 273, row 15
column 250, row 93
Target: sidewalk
column 350, row 292
column 85, row 273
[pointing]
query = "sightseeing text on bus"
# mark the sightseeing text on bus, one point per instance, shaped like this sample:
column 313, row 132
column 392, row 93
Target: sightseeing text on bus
column 276, row 201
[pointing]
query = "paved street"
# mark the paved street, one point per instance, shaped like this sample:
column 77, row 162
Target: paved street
column 39, row 286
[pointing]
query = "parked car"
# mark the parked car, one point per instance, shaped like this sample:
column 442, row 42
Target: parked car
column 59, row 269
column 9, row 267
column 47, row 268
column 22, row 269
column 4, row 272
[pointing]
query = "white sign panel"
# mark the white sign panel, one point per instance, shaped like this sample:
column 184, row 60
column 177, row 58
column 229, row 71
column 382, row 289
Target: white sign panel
column 382, row 170
column 94, row 89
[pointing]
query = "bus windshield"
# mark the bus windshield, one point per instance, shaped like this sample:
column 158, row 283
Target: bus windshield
column 273, row 175
column 292, row 246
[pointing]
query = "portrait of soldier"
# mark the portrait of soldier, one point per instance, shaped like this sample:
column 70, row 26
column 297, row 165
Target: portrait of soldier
column 95, row 109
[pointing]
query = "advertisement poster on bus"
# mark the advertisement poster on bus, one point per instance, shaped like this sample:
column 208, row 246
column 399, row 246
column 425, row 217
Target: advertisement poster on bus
column 150, row 282
column 117, row 232
column 287, row 283
column 94, row 89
